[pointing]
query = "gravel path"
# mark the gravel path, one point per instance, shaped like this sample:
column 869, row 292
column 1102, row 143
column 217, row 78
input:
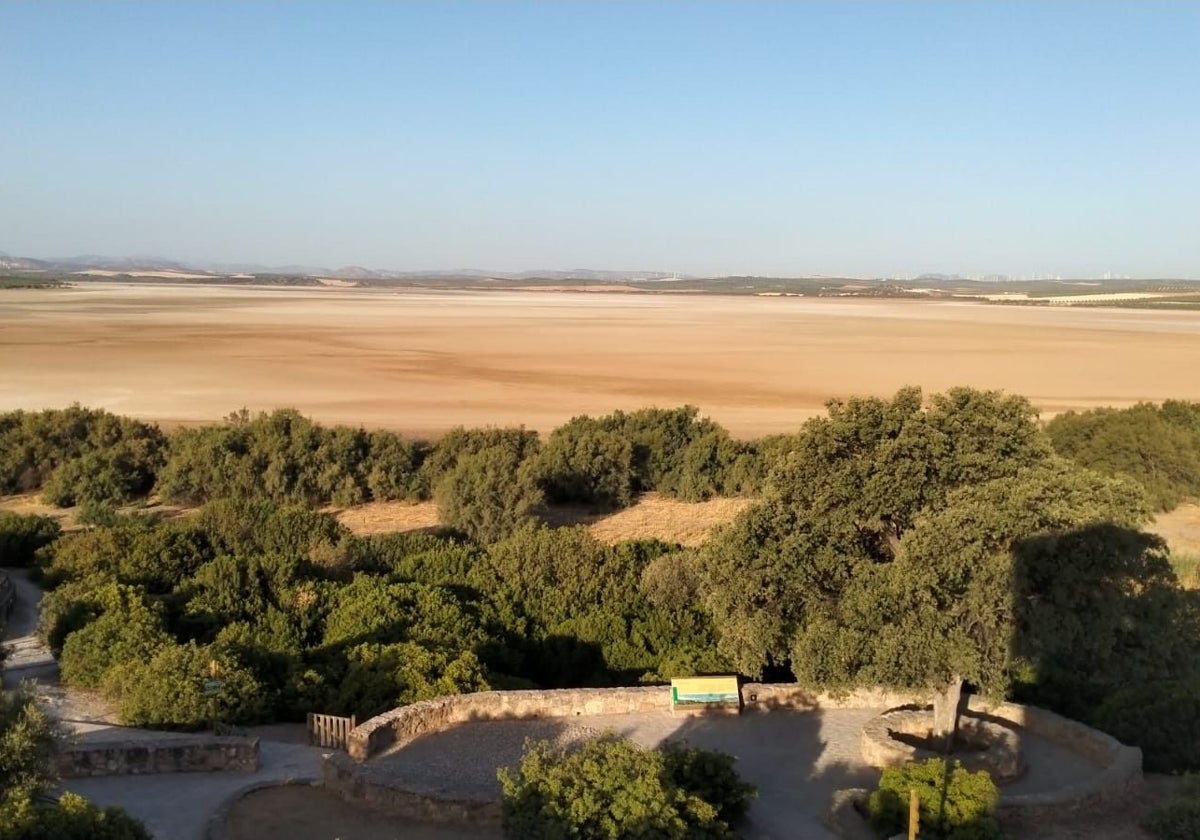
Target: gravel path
column 28, row 658
column 796, row 759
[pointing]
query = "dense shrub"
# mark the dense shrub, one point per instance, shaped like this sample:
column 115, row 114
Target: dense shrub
column 610, row 789
column 711, row 776
column 70, row 817
column 955, row 804
column 166, row 690
column 1162, row 718
column 129, row 629
column 1179, row 818
column 488, row 495
column 79, row 454
column 1157, row 446
column 22, row 536
column 286, row 458
column 459, row 443
column 138, row 552
column 583, row 463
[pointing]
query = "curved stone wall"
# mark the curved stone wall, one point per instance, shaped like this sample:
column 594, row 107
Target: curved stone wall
column 398, row 727
column 1122, row 765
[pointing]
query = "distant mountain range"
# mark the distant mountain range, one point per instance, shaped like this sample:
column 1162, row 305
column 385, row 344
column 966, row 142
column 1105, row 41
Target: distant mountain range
column 94, row 262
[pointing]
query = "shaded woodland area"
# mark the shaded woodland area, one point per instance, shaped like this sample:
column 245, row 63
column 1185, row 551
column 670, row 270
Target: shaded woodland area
column 941, row 543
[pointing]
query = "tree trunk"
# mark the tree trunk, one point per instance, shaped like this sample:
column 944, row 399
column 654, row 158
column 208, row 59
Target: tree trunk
column 946, row 701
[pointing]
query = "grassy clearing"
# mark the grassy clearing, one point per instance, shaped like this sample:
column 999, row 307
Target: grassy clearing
column 1181, row 529
column 652, row 517
column 1187, row 566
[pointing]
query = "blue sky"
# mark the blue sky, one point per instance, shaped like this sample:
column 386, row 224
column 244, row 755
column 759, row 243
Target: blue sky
column 777, row 138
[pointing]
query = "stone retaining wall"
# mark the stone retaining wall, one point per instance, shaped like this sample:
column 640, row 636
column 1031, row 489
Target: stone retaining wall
column 343, row 776
column 394, row 729
column 1122, row 765
column 176, row 755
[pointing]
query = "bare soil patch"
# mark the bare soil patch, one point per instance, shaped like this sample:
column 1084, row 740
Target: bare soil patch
column 293, row 812
column 422, row 362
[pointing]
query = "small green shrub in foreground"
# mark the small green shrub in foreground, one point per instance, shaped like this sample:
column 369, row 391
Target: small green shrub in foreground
column 1178, row 819
column 955, row 804
column 70, row 818
column 610, row 789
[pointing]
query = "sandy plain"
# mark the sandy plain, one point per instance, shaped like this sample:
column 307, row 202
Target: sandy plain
column 421, row 362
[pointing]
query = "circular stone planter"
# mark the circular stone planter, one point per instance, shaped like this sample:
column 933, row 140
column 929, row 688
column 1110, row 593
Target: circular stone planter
column 901, row 736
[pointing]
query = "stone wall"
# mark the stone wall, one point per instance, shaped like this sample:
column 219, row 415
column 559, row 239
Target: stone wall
column 1121, row 765
column 398, row 727
column 196, row 754
column 343, row 776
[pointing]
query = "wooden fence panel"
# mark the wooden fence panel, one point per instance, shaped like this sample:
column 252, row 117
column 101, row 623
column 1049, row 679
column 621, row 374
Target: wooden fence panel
column 329, row 731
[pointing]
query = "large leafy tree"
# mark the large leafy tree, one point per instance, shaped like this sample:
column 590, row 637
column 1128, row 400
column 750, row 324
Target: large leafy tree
column 883, row 551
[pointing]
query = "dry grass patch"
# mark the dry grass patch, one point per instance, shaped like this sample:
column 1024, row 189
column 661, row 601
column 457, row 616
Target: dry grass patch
column 670, row 520
column 1181, row 529
column 31, row 503
column 389, row 517
column 652, row 517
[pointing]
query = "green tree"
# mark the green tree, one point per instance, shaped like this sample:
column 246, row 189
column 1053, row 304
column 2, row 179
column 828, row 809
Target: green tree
column 166, row 690
column 882, row 552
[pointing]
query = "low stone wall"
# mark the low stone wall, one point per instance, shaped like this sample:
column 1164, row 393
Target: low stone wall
column 1122, row 765
column 340, row 774
column 398, row 727
column 176, row 755
column 996, row 745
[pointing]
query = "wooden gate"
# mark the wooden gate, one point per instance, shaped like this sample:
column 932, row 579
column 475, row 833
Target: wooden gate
column 329, row 730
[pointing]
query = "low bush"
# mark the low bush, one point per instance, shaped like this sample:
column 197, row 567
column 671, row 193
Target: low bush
column 1163, row 718
column 1179, row 818
column 610, row 789
column 71, row 817
column 955, row 804
column 711, row 776
column 167, row 690
column 22, row 535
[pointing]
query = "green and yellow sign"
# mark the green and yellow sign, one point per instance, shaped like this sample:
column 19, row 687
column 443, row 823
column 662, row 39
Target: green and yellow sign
column 691, row 693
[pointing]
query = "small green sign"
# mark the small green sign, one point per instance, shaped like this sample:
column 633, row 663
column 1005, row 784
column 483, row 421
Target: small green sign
column 212, row 687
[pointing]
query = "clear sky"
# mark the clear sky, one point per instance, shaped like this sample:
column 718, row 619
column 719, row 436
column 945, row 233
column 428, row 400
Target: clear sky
column 776, row 138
